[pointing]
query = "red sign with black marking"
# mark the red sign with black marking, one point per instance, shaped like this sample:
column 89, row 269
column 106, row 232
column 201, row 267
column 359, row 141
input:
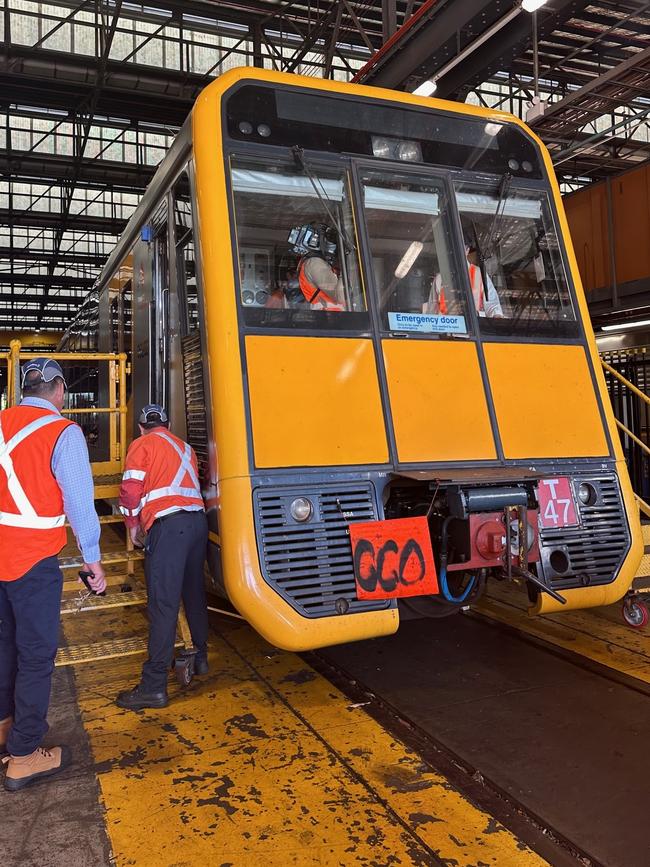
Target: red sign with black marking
column 393, row 559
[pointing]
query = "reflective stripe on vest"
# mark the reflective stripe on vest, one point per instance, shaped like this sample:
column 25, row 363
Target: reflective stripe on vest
column 26, row 516
column 174, row 489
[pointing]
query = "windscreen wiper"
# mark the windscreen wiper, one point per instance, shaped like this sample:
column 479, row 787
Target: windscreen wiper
column 481, row 260
column 323, row 198
column 504, row 187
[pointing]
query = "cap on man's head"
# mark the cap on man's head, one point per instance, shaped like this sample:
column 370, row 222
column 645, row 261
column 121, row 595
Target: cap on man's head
column 153, row 412
column 46, row 369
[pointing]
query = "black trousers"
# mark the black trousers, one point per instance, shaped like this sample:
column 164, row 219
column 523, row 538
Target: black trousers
column 30, row 611
column 175, row 555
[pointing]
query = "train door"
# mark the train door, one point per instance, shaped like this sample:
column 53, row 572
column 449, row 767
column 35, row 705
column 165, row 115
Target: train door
column 150, row 291
column 159, row 312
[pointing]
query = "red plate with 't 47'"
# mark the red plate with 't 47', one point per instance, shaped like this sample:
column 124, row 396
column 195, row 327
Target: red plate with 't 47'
column 556, row 504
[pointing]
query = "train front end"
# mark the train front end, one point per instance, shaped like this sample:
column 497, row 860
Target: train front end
column 441, row 421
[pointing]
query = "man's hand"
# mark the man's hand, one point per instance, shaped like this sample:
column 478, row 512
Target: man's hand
column 137, row 536
column 98, row 581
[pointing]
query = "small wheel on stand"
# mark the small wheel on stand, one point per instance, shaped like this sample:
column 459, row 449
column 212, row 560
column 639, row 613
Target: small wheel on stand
column 635, row 612
column 184, row 668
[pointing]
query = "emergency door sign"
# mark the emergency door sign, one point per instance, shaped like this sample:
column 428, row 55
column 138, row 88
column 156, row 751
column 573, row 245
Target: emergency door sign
column 393, row 559
column 556, row 504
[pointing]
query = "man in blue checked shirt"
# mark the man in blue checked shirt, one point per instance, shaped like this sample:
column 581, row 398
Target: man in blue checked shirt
column 45, row 476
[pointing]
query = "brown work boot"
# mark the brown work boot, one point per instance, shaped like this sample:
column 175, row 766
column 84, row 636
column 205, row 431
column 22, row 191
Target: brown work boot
column 24, row 770
column 5, row 725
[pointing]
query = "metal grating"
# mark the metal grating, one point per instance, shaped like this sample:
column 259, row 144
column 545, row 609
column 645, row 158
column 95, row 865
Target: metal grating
column 598, row 546
column 195, row 412
column 310, row 564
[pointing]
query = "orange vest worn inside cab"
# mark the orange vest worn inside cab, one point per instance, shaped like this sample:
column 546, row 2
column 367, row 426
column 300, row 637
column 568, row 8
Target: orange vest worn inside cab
column 168, row 469
column 315, row 296
column 478, row 292
column 31, row 503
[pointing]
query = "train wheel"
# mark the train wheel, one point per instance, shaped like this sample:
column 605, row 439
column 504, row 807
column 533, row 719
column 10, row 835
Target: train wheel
column 635, row 613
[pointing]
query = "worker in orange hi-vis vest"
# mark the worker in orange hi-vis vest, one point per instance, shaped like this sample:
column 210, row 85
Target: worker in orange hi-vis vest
column 45, row 477
column 320, row 286
column 486, row 303
column 162, row 505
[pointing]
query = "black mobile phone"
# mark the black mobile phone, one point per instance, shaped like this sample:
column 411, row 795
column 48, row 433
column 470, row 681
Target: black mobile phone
column 84, row 577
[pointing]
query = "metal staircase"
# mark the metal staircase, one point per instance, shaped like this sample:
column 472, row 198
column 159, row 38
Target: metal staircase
column 123, row 564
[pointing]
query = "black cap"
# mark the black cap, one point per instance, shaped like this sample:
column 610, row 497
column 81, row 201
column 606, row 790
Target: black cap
column 153, row 412
column 47, row 368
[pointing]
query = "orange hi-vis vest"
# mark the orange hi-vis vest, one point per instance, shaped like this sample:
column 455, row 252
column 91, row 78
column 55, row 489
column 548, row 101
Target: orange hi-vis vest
column 315, row 296
column 478, row 291
column 168, row 469
column 31, row 503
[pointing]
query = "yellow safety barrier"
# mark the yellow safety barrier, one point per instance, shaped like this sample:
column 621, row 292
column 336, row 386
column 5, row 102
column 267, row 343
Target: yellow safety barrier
column 117, row 392
column 124, row 588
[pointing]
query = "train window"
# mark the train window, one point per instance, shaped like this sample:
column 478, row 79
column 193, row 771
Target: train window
column 297, row 247
column 416, row 275
column 516, row 267
column 185, row 257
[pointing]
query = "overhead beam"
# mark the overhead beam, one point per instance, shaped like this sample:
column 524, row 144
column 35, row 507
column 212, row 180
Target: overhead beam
column 62, row 281
column 446, row 30
column 45, row 219
column 22, row 166
column 18, row 254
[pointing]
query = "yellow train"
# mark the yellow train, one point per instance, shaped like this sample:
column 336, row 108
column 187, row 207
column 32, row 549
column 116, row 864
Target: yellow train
column 362, row 308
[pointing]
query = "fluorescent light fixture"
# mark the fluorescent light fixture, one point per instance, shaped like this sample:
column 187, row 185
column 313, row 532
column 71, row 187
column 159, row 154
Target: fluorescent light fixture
column 492, row 129
column 408, row 259
column 621, row 326
column 532, row 5
column 427, row 88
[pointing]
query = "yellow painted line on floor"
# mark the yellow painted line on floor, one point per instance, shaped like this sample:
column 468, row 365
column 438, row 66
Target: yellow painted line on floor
column 589, row 633
column 264, row 762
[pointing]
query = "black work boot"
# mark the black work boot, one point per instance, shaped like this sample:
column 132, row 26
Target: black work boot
column 201, row 665
column 139, row 698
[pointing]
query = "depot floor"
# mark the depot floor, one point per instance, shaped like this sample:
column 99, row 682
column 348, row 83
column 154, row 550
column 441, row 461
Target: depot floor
column 261, row 762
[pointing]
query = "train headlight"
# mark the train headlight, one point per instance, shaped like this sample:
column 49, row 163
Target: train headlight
column 396, row 149
column 409, row 151
column 587, row 494
column 301, row 509
column 382, row 147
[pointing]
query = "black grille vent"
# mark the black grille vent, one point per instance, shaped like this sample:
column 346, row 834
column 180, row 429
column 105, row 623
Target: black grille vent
column 597, row 547
column 310, row 564
column 195, row 414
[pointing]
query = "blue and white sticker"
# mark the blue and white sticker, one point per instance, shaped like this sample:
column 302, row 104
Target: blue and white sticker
column 427, row 323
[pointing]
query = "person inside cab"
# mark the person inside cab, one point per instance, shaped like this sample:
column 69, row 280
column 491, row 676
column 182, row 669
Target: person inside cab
column 319, row 284
column 486, row 298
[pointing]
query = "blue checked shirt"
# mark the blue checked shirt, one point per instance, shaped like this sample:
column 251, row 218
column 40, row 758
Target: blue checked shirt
column 71, row 468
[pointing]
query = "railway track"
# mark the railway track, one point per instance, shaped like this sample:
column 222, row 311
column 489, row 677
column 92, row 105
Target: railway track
column 550, row 743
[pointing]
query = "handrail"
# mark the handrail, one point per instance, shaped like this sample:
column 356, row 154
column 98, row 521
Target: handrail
column 632, row 436
column 625, row 381
column 643, row 506
column 641, row 503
